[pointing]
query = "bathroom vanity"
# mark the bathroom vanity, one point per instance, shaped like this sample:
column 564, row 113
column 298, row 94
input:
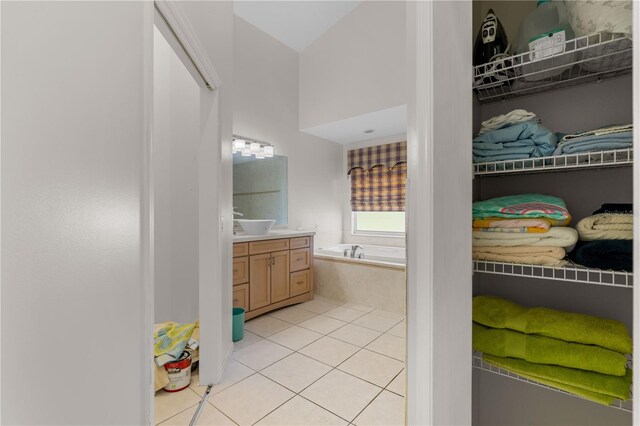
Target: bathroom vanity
column 272, row 271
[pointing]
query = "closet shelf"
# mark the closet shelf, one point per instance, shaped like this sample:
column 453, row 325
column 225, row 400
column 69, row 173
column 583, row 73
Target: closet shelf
column 583, row 160
column 570, row 273
column 481, row 364
column 585, row 59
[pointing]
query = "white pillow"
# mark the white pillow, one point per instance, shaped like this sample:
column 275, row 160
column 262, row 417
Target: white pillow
column 596, row 16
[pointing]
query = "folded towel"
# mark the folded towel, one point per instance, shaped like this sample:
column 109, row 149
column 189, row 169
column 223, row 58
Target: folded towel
column 496, row 312
column 624, row 208
column 530, row 255
column 606, row 226
column 524, row 206
column 604, row 254
column 171, row 339
column 499, row 121
column 606, row 138
column 598, row 387
column 545, row 350
column 520, row 140
column 557, row 236
column 528, row 225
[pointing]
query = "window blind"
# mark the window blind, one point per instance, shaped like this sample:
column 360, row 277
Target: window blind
column 378, row 177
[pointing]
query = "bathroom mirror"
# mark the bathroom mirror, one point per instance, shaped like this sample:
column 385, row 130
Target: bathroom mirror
column 260, row 187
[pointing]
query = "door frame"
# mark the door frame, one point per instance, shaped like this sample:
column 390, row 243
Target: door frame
column 439, row 196
column 215, row 332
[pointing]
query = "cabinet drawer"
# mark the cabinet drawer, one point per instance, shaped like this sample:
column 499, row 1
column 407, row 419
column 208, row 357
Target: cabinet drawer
column 240, row 270
column 300, row 259
column 299, row 283
column 241, row 296
column 300, row 242
column 266, row 246
column 240, row 249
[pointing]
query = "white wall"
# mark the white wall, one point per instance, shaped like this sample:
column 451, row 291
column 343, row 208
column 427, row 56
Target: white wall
column 74, row 135
column 357, row 66
column 73, row 209
column 347, row 238
column 176, row 109
column 266, row 106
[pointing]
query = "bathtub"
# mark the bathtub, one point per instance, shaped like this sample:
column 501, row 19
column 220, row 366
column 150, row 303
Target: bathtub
column 381, row 255
column 378, row 280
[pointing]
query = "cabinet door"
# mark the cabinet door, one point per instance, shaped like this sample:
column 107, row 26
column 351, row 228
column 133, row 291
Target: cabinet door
column 241, row 296
column 259, row 283
column 240, row 270
column 279, row 276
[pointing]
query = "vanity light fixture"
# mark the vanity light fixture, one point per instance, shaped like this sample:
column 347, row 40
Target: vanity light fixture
column 239, row 145
column 255, row 147
column 247, row 148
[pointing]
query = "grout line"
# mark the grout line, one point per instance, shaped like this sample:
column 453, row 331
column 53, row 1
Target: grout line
column 396, row 376
column 324, row 408
column 367, row 406
column 179, row 412
column 332, row 368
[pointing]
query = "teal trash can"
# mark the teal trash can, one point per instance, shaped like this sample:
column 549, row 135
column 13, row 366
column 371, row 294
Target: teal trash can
column 238, row 324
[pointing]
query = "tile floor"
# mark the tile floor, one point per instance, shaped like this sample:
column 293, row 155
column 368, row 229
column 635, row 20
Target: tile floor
column 321, row 362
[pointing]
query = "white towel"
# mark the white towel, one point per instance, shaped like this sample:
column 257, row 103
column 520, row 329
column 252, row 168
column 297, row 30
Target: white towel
column 557, row 236
column 500, row 121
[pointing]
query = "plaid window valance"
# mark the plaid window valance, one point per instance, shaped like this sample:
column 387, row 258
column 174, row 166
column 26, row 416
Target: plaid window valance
column 378, row 177
column 382, row 155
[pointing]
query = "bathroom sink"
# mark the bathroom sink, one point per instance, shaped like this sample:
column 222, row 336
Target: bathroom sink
column 256, row 227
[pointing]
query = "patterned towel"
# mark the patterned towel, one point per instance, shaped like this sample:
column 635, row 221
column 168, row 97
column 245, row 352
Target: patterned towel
column 521, row 207
column 170, row 340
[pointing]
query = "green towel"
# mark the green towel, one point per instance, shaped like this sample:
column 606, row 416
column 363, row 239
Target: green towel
column 601, row 388
column 521, row 207
column 545, row 350
column 496, row 312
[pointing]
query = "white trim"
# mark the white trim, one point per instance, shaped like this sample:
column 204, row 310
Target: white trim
column 636, row 200
column 146, row 213
column 439, row 191
column 419, row 193
column 176, row 19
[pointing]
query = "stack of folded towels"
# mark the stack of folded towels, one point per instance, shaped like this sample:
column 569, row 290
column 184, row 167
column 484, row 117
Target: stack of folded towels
column 606, row 238
column 580, row 354
column 513, row 136
column 528, row 228
column 602, row 139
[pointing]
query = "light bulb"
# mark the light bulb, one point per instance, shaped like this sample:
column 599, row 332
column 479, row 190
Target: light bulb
column 255, row 147
column 260, row 155
column 268, row 151
column 246, row 153
column 238, row 145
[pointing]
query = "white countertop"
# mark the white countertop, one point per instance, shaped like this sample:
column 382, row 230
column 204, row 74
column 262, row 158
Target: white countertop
column 274, row 234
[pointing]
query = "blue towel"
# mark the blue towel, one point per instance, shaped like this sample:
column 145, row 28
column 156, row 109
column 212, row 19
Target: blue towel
column 518, row 141
column 595, row 143
column 618, row 136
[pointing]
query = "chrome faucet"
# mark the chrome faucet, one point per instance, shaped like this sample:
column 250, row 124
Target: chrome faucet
column 354, row 250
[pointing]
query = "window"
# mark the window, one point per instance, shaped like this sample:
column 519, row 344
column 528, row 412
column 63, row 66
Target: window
column 380, row 223
column 378, row 179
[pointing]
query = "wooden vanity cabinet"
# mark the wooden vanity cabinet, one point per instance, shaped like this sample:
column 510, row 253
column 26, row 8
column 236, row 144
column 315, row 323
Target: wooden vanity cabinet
column 270, row 274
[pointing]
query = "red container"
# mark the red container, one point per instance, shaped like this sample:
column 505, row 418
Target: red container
column 179, row 372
